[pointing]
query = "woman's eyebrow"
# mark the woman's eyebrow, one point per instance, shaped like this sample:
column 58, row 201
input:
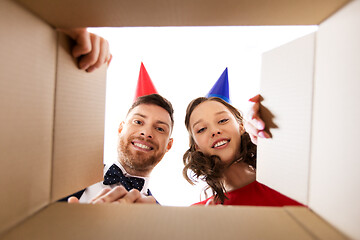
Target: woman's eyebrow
column 198, row 121
column 220, row 112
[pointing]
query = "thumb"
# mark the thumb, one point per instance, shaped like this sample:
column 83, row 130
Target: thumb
column 73, row 200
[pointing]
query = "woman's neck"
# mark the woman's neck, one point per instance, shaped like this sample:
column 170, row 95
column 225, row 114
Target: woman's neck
column 238, row 175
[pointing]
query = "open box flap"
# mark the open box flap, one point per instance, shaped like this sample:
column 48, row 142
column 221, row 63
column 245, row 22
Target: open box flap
column 114, row 13
column 140, row 221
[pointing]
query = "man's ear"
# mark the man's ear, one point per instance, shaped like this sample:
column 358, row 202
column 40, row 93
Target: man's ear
column 121, row 126
column 169, row 145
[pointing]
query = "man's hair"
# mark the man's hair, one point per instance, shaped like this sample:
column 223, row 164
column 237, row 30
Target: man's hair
column 157, row 100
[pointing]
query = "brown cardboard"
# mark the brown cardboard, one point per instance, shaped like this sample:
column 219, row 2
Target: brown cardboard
column 316, row 226
column 115, row 221
column 27, row 70
column 287, row 88
column 38, row 97
column 79, row 125
column 114, row 13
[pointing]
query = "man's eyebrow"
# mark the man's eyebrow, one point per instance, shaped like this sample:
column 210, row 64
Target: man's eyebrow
column 161, row 122
column 141, row 115
column 158, row 121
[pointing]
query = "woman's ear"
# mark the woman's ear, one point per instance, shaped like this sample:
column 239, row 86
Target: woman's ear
column 242, row 128
column 196, row 147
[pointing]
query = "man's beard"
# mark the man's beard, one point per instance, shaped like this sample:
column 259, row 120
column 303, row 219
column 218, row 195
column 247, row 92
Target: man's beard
column 140, row 161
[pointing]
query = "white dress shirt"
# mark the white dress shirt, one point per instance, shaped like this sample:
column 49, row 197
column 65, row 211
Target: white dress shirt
column 95, row 189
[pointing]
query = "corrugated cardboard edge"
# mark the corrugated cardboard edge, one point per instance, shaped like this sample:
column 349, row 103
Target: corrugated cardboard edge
column 314, row 224
column 78, row 124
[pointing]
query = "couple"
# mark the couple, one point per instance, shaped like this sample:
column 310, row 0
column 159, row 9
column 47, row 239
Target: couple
column 221, row 152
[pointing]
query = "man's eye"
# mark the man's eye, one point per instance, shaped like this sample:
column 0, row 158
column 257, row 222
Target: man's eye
column 160, row 129
column 137, row 122
column 224, row 120
column 201, row 130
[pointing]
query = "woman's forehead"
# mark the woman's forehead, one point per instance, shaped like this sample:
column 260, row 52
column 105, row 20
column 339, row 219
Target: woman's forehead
column 208, row 109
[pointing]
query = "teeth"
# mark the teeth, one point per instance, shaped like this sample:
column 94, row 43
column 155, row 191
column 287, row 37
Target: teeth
column 218, row 144
column 141, row 146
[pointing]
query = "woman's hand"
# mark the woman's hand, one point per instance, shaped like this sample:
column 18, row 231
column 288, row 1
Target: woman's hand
column 253, row 123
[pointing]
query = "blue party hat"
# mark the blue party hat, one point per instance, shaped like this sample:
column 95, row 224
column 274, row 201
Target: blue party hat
column 221, row 87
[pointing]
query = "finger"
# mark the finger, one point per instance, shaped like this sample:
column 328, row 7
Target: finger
column 130, row 197
column 146, row 199
column 254, row 111
column 83, row 44
column 100, row 194
column 250, row 128
column 255, row 99
column 115, row 194
column 258, row 123
column 101, row 58
column 91, row 58
column 264, row 134
column 108, row 60
column 253, row 139
column 73, row 200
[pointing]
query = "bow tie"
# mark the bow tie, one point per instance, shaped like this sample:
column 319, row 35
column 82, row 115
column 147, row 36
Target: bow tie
column 115, row 175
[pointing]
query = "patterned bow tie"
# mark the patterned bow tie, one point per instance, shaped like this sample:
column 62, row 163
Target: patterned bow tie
column 115, row 175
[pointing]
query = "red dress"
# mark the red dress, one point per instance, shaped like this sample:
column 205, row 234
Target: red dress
column 256, row 194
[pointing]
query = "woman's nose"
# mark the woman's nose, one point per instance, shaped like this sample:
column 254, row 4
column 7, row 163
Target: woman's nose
column 218, row 132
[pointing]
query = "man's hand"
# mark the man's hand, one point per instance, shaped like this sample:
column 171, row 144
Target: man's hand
column 121, row 195
column 118, row 195
column 92, row 50
column 254, row 125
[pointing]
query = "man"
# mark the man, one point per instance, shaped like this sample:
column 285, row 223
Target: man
column 144, row 138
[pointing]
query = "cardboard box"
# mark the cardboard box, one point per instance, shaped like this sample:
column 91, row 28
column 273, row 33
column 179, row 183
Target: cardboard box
column 52, row 124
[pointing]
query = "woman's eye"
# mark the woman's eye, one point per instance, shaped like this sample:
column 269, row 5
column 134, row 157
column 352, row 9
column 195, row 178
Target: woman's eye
column 137, row 122
column 223, row 120
column 200, row 130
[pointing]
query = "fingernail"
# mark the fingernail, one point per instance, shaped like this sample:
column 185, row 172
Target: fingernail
column 261, row 134
column 90, row 69
column 83, row 66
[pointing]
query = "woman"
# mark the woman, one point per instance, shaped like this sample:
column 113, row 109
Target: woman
column 222, row 154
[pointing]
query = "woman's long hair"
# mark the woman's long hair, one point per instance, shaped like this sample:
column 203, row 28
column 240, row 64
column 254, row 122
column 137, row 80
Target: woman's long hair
column 210, row 168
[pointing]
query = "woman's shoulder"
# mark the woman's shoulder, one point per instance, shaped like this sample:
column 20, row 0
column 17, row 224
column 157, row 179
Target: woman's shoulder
column 202, row 202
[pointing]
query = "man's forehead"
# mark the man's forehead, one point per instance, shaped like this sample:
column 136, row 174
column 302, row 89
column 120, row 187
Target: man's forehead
column 150, row 111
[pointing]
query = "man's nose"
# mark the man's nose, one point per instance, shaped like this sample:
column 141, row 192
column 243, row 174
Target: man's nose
column 146, row 132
